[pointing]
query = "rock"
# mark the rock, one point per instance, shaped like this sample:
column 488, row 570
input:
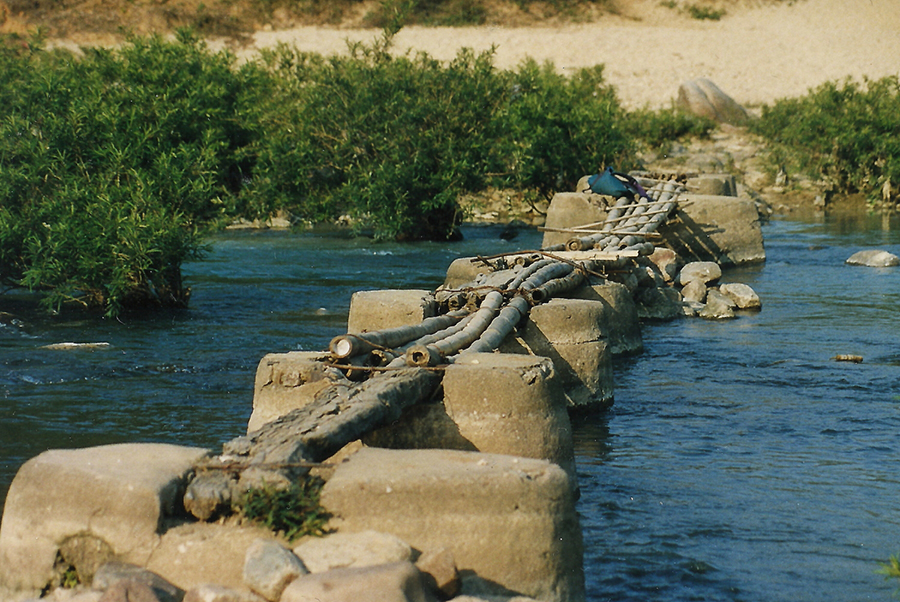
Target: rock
column 744, row 296
column 352, row 550
column 702, row 97
column 714, row 184
column 130, row 590
column 120, row 495
column 395, row 582
column 217, row 593
column 439, row 571
column 667, row 261
column 694, row 291
column 718, row 306
column 114, row 573
column 507, row 520
column 707, row 272
column 874, row 258
column 269, row 568
column 195, row 554
column 659, row 303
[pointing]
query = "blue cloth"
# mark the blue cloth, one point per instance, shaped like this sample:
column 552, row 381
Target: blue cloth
column 614, row 184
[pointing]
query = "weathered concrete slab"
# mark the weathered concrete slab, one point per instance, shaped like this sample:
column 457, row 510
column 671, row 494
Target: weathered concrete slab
column 571, row 333
column 510, row 520
column 571, row 209
column 120, row 495
column 285, row 382
column 722, row 229
column 617, row 321
column 499, row 403
column 462, row 271
column 381, row 309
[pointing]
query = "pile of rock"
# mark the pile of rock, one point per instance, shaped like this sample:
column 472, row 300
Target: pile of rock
column 338, row 568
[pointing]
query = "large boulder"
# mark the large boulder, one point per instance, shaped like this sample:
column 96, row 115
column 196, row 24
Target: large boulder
column 874, row 258
column 702, row 97
column 506, row 520
column 115, row 500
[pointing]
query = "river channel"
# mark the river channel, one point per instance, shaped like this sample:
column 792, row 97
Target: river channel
column 739, row 461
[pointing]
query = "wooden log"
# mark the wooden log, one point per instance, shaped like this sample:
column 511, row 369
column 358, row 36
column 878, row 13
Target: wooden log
column 284, row 449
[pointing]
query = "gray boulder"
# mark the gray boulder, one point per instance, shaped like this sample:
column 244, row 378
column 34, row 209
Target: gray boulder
column 702, row 97
column 269, row 568
column 718, row 306
column 395, row 582
column 874, row 258
column 352, row 550
column 707, row 272
column 132, row 581
column 744, row 296
column 694, row 291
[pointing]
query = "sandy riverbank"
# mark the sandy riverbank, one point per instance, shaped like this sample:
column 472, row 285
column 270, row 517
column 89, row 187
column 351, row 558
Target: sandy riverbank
column 756, row 54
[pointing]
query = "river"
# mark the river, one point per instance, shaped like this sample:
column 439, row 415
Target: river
column 739, row 461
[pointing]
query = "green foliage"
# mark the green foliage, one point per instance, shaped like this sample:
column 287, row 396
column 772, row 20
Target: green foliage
column 554, row 129
column 891, row 569
column 847, row 134
column 391, row 141
column 293, row 511
column 656, row 128
column 704, row 12
column 113, row 166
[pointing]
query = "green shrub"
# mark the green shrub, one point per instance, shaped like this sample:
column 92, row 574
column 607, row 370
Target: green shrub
column 656, row 128
column 113, row 166
column 391, row 141
column 293, row 511
column 847, row 134
column 554, row 129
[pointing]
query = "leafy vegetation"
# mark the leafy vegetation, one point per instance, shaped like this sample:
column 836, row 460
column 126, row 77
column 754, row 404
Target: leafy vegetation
column 845, row 133
column 115, row 165
column 293, row 511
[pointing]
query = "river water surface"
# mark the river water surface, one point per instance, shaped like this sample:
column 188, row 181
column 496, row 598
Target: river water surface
column 739, row 461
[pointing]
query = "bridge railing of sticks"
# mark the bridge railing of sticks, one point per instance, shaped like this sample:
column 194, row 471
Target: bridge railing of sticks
column 403, row 364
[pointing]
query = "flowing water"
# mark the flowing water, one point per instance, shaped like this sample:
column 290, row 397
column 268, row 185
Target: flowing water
column 739, row 462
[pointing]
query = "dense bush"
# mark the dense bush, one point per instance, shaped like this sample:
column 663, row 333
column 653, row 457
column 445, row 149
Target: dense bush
column 390, row 141
column 554, row 129
column 113, row 166
column 845, row 133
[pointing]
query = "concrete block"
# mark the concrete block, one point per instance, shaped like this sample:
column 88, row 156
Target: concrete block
column 378, row 310
column 723, row 229
column 118, row 494
column 571, row 333
column 570, row 209
column 718, row 184
column 194, row 554
column 510, row 521
column 463, row 271
column 510, row 404
column 617, row 321
column 285, row 382
column 500, row 403
column 395, row 582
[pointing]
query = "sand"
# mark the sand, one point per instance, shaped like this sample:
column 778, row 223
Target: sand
column 756, row 54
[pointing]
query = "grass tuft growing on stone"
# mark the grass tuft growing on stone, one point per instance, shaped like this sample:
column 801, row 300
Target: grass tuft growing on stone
column 292, row 512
